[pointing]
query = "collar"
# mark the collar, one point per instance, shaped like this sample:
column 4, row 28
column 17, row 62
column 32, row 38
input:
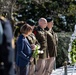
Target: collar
column 39, row 28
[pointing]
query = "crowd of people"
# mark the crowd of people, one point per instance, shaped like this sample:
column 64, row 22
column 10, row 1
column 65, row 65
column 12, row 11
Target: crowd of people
column 31, row 36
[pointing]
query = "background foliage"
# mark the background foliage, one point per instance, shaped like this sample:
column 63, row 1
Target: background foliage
column 73, row 52
column 62, row 11
column 63, row 45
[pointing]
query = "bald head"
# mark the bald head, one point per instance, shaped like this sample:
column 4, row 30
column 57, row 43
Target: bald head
column 42, row 19
column 42, row 22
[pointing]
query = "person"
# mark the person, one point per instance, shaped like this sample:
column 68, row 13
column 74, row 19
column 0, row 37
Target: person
column 42, row 39
column 17, row 33
column 24, row 51
column 33, row 41
column 52, row 41
column 6, row 48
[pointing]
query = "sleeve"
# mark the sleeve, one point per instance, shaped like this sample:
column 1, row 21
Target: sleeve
column 8, row 31
column 40, row 40
column 21, row 53
column 36, row 43
column 50, row 40
column 37, row 35
column 56, row 38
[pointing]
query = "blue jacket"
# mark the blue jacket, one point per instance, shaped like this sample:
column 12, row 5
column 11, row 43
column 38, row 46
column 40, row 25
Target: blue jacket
column 24, row 51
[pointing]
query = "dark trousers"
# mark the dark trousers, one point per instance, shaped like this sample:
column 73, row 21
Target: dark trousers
column 22, row 70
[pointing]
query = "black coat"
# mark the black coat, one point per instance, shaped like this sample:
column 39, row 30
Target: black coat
column 6, row 50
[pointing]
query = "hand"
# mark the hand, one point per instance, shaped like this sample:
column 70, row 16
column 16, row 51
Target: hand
column 33, row 46
column 31, row 59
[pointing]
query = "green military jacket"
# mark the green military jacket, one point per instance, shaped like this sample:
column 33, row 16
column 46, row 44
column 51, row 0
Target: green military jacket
column 52, row 41
column 42, row 39
column 32, row 39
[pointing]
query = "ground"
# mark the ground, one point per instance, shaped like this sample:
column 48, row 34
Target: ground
column 71, row 70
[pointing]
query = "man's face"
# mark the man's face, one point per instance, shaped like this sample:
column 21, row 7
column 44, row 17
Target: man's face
column 50, row 24
column 33, row 26
column 43, row 23
column 29, row 33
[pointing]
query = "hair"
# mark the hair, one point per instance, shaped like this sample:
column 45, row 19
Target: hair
column 25, row 29
column 42, row 19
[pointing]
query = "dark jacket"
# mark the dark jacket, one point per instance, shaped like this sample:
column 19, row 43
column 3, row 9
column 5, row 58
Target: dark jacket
column 52, row 41
column 24, row 51
column 6, row 50
column 42, row 39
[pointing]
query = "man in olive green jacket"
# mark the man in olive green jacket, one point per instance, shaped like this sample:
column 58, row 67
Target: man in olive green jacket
column 52, row 41
column 42, row 39
column 33, row 41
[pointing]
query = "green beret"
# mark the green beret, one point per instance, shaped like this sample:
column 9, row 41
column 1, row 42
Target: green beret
column 49, row 19
column 30, row 22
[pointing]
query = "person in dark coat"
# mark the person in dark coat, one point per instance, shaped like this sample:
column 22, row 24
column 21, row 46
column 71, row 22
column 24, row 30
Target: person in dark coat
column 6, row 48
column 24, row 51
column 52, row 41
